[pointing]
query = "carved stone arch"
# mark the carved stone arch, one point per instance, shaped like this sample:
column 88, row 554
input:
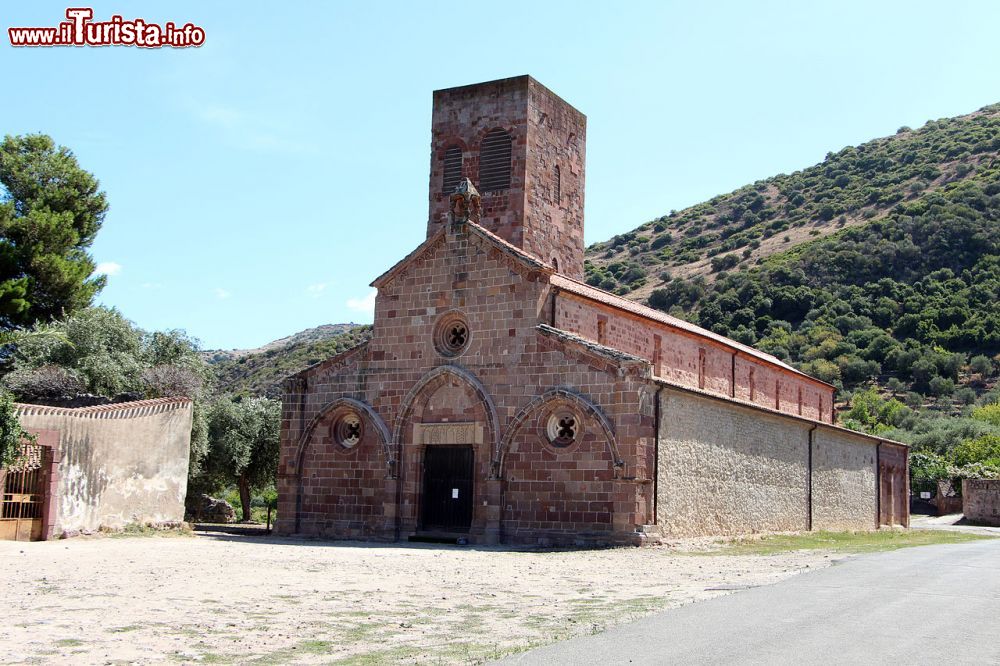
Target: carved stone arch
column 558, row 394
column 363, row 408
column 436, row 375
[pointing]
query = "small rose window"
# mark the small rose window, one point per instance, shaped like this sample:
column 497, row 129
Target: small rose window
column 348, row 430
column 451, row 336
column 563, row 428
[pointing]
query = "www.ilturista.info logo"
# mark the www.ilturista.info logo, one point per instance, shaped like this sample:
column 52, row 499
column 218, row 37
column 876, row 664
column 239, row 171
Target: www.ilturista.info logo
column 79, row 30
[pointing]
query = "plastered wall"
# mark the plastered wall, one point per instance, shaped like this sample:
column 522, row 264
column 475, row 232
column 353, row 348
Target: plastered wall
column 120, row 464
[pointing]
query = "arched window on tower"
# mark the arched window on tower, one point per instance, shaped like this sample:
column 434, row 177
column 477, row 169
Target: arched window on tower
column 557, row 187
column 494, row 161
column 452, row 169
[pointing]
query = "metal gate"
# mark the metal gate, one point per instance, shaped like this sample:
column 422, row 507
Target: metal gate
column 22, row 501
column 447, row 500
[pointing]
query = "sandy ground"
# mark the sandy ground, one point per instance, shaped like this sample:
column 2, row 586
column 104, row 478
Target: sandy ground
column 262, row 600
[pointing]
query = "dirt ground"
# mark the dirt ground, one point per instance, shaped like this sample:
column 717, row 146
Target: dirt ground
column 266, row 600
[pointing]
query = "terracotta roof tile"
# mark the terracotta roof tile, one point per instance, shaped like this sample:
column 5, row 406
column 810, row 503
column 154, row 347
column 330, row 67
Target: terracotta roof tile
column 113, row 410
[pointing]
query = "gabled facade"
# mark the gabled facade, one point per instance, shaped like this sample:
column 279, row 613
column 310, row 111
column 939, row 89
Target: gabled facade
column 501, row 399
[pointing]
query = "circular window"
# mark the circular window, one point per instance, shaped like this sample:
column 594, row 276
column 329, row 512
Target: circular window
column 348, row 429
column 563, row 428
column 451, row 336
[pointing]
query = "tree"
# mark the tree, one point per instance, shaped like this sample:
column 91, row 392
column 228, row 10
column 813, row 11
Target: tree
column 50, row 212
column 243, row 441
column 98, row 351
column 98, row 347
column 869, row 412
column 11, row 432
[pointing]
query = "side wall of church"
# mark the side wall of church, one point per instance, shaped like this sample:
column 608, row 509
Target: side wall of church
column 688, row 360
column 845, row 485
column 725, row 469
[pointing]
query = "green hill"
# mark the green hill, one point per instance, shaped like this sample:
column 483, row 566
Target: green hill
column 877, row 270
column 260, row 371
column 849, row 188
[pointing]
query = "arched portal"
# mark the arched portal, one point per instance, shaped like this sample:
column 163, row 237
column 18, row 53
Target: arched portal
column 444, row 437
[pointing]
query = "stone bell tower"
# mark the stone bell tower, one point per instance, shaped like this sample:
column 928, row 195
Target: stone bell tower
column 524, row 150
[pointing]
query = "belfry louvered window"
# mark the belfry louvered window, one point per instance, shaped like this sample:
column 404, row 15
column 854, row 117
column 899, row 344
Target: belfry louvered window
column 494, row 161
column 452, row 169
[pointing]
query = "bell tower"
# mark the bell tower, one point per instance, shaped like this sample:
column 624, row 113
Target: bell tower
column 524, row 149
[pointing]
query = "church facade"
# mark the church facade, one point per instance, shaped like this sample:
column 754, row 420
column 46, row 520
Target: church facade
column 503, row 400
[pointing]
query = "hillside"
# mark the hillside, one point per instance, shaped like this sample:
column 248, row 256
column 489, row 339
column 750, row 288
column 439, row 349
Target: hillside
column 877, row 270
column 260, row 371
column 850, row 188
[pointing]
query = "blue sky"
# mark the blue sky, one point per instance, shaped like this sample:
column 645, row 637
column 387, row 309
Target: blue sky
column 260, row 182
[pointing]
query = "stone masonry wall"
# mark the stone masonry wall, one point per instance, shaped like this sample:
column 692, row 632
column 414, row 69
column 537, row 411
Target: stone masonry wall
column 729, row 469
column 557, row 135
column 494, row 384
column 844, row 481
column 684, row 359
column 120, row 464
column 981, row 501
column 546, row 133
column 726, row 469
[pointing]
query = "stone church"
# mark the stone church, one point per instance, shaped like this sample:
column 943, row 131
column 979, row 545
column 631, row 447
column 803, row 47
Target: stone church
column 503, row 400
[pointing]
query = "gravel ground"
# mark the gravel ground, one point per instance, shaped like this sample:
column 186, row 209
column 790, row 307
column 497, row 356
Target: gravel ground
column 218, row 599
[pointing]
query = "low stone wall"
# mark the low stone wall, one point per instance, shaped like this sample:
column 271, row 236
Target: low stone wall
column 981, row 501
column 118, row 464
column 947, row 500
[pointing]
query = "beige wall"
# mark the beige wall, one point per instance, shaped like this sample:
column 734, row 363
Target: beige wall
column 120, row 464
column 724, row 469
column 844, row 481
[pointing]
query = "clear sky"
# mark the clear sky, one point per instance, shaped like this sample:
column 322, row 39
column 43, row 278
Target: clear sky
column 260, row 182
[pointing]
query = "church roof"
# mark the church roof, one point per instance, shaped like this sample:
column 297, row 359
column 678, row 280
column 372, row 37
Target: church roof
column 572, row 286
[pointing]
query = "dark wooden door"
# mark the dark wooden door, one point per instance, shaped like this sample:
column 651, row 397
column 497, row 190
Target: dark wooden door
column 447, row 501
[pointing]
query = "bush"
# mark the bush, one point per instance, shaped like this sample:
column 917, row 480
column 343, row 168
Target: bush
column 46, row 382
column 965, row 396
column 941, row 386
column 985, row 450
column 988, row 414
column 981, row 365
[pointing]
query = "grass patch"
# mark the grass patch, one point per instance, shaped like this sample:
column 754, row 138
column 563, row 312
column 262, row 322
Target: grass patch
column 840, row 542
column 126, row 628
column 137, row 530
column 69, row 642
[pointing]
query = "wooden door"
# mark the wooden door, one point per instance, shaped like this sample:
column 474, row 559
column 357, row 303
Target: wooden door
column 447, row 498
column 22, row 498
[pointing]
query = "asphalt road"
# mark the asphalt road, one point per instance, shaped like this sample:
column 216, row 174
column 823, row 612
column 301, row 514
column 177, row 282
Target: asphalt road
column 927, row 605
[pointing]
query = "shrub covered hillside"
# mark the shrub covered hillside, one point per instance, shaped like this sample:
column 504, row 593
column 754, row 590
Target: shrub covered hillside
column 258, row 372
column 899, row 308
column 849, row 188
column 912, row 297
